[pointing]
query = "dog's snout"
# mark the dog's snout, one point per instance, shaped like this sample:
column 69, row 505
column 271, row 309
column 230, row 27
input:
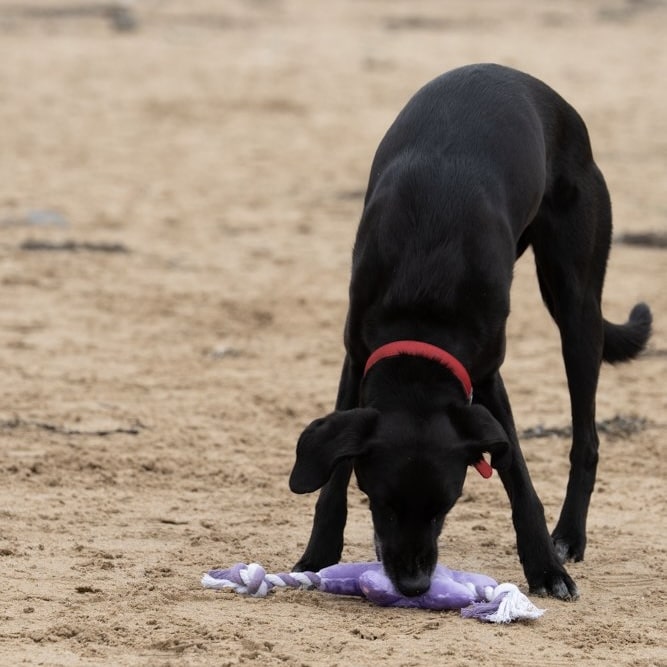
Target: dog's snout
column 414, row 586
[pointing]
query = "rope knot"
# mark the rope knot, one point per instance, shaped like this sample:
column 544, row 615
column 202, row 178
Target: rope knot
column 254, row 581
column 253, row 576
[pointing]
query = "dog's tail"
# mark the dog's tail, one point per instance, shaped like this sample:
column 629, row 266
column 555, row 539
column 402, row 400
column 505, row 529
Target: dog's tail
column 623, row 342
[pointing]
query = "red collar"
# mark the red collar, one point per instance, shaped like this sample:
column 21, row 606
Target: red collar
column 417, row 348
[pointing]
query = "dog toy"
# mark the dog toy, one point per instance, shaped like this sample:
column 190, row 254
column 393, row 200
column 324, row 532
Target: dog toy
column 476, row 595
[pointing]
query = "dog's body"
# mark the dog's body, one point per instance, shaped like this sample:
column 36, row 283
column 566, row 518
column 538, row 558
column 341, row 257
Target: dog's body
column 481, row 163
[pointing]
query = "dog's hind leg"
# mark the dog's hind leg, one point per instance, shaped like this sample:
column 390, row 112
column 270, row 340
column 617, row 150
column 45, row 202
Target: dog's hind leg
column 571, row 236
column 325, row 545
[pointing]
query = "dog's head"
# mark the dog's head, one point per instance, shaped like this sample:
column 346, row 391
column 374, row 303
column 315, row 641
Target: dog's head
column 412, row 471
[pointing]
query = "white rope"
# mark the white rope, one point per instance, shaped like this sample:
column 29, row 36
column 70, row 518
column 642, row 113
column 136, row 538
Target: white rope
column 514, row 605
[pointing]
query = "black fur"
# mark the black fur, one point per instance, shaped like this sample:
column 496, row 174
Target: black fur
column 483, row 162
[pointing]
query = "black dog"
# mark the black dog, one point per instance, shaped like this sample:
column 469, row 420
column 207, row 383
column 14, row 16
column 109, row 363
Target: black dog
column 483, row 162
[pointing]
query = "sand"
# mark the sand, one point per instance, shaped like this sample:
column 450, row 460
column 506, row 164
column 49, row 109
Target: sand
column 180, row 185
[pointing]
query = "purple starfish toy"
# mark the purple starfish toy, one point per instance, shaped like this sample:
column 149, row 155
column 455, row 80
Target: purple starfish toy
column 476, row 595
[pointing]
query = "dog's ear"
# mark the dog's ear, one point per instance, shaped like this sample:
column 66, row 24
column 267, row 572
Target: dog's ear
column 326, row 442
column 480, row 432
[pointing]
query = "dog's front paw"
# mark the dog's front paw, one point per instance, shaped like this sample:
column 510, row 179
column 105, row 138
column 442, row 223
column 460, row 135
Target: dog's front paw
column 314, row 563
column 555, row 582
column 322, row 551
column 304, row 565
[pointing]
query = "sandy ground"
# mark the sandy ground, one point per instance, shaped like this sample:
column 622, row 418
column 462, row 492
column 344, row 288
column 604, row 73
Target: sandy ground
column 177, row 208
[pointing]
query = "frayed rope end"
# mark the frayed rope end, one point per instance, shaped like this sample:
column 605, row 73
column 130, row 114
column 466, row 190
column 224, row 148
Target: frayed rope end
column 506, row 603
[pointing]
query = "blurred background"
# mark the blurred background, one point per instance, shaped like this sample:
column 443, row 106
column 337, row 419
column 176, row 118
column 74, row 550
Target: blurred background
column 180, row 185
column 159, row 113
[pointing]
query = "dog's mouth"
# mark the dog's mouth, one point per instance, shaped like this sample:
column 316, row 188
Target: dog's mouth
column 411, row 576
column 413, row 586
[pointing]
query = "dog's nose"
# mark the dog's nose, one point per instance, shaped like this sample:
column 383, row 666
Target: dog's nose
column 414, row 586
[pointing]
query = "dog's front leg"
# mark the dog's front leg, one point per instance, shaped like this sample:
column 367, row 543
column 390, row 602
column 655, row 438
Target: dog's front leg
column 542, row 567
column 325, row 545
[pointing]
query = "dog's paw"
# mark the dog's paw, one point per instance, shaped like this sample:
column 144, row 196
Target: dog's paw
column 556, row 583
column 313, row 564
column 569, row 548
column 319, row 554
column 305, row 565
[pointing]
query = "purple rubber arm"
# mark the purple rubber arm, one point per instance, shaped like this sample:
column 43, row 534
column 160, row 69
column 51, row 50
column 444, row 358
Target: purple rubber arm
column 445, row 593
column 479, row 581
column 450, row 589
column 345, row 578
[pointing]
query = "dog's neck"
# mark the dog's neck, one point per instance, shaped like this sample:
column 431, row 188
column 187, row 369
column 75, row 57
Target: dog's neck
column 415, row 348
column 400, row 377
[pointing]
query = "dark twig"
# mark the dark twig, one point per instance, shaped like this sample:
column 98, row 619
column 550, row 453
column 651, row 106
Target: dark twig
column 643, row 239
column 74, row 246
column 17, row 422
column 616, row 427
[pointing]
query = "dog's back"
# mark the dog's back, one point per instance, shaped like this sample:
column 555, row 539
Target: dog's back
column 492, row 129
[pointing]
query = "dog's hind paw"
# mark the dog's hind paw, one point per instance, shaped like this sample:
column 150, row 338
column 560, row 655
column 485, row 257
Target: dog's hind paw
column 569, row 549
